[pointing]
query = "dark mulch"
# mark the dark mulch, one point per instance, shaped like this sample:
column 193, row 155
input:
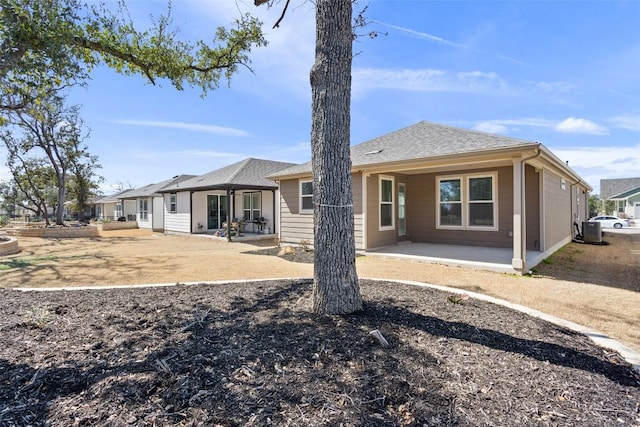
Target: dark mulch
column 252, row 354
column 297, row 254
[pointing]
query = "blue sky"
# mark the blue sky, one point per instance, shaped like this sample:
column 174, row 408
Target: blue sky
column 564, row 73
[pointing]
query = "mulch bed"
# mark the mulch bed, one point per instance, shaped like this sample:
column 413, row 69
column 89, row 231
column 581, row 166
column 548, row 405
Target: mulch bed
column 253, row 354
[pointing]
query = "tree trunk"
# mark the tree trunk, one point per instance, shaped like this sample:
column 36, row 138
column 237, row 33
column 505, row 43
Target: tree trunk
column 335, row 289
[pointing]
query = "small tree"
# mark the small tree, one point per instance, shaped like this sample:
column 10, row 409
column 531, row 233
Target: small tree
column 55, row 131
column 83, row 184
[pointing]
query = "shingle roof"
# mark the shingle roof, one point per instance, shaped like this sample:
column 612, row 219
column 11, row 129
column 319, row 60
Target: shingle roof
column 420, row 141
column 248, row 173
column 626, row 194
column 612, row 187
column 153, row 189
column 112, row 198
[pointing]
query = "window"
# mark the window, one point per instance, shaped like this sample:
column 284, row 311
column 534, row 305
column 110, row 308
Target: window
column 450, row 202
column 386, row 203
column 118, row 212
column 467, row 202
column 306, row 196
column 143, row 209
column 251, row 203
column 173, row 203
column 481, row 202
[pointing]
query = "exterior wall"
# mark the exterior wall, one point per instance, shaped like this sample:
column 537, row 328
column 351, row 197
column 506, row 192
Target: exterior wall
column 375, row 237
column 130, row 209
column 179, row 221
column 157, row 212
column 532, row 207
column 422, row 217
column 296, row 226
column 557, row 207
column 266, row 208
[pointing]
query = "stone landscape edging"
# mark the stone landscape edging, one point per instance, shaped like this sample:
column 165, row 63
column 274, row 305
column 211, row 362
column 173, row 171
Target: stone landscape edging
column 58, row 232
column 600, row 339
column 8, row 245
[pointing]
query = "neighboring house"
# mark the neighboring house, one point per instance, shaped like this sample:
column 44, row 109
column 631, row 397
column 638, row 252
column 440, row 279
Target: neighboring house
column 625, row 192
column 112, row 207
column 149, row 202
column 438, row 184
column 241, row 190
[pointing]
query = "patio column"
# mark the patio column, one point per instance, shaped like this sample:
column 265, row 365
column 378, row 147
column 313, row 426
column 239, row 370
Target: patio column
column 519, row 260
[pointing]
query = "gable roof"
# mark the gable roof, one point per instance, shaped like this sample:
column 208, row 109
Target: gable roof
column 153, row 189
column 626, row 194
column 421, row 141
column 248, row 173
column 113, row 198
column 612, row 187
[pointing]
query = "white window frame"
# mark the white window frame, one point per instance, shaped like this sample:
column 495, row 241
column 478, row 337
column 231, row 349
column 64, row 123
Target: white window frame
column 391, row 202
column 303, row 196
column 173, row 202
column 253, row 212
column 465, row 196
column 143, row 209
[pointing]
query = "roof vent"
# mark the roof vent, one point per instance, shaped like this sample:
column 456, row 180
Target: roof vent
column 373, row 152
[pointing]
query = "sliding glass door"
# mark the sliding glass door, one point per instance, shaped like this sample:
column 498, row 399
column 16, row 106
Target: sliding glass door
column 216, row 211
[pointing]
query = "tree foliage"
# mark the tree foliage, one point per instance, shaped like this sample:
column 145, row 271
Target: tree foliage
column 46, row 45
column 45, row 144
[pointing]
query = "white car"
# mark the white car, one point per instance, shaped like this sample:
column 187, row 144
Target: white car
column 609, row 221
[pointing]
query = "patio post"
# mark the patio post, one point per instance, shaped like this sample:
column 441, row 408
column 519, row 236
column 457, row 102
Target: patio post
column 519, row 260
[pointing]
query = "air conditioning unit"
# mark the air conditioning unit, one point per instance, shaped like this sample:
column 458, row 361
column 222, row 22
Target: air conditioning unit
column 592, row 232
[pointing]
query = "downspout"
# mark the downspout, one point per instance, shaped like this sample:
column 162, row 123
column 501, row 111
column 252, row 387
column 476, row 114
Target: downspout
column 573, row 214
column 523, row 206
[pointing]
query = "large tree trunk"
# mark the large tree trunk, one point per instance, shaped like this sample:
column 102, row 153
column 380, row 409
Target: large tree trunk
column 335, row 288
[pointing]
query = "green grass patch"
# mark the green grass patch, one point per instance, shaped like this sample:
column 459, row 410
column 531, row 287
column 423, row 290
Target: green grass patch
column 25, row 262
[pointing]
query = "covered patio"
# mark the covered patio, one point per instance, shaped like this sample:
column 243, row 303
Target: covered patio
column 483, row 258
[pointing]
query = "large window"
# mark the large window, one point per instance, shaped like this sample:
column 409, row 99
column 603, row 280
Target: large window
column 173, row 203
column 251, row 203
column 467, row 202
column 143, row 209
column 386, row 203
column 306, row 196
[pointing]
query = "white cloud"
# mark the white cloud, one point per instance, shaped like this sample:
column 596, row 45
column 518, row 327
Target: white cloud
column 490, row 127
column 596, row 163
column 440, row 40
column 503, row 126
column 426, row 80
column 627, row 121
column 583, row 126
column 195, row 127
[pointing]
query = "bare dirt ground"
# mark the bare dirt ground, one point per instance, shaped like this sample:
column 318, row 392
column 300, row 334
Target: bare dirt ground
column 252, row 354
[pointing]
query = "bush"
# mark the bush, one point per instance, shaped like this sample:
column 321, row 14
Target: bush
column 4, row 220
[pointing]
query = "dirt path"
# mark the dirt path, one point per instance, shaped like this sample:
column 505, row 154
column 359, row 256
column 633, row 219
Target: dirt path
column 596, row 286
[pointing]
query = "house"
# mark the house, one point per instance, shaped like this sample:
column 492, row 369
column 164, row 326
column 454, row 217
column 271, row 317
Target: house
column 113, row 206
column 149, row 202
column 238, row 191
column 439, row 184
column 625, row 193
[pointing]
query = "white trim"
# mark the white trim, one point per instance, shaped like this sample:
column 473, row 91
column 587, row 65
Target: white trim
column 404, row 193
column 391, row 203
column 300, row 208
column 465, row 202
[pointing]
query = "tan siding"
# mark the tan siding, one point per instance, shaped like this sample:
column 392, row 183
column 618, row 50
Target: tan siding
column 422, row 205
column 295, row 226
column 557, row 209
column 356, row 178
column 532, row 207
